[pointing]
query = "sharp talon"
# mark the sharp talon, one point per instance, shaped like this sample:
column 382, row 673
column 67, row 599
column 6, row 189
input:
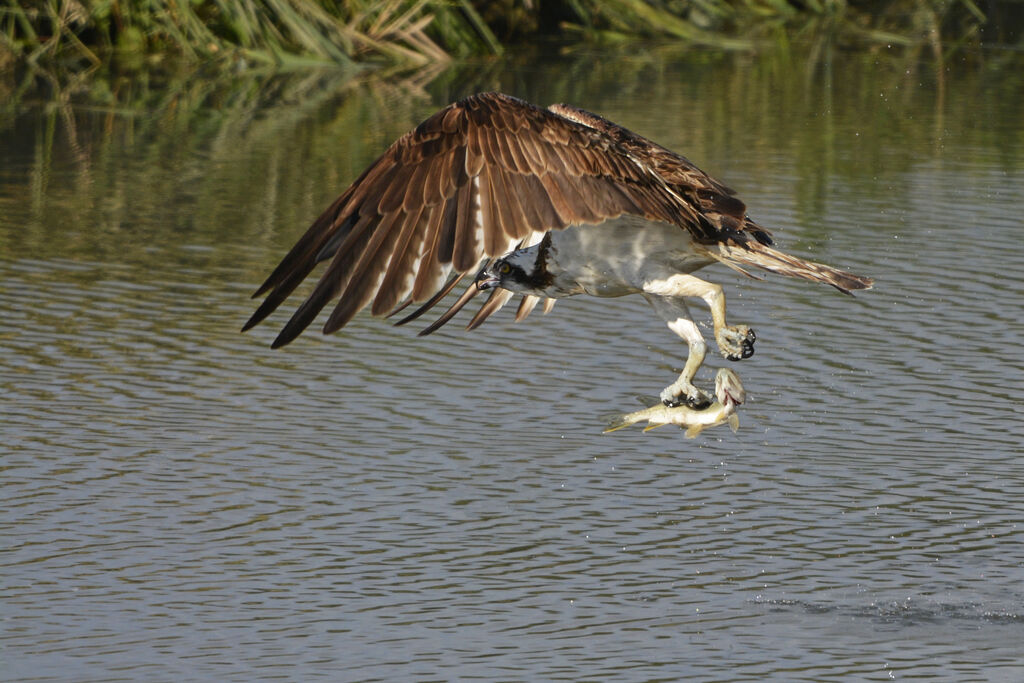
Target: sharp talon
column 699, row 402
column 736, row 343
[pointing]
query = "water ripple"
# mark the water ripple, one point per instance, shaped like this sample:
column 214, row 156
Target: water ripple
column 184, row 503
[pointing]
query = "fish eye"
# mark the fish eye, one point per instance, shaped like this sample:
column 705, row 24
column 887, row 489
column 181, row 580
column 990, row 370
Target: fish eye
column 504, row 268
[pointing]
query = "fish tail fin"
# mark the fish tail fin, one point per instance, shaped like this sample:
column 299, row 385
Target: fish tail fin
column 734, row 422
column 617, row 422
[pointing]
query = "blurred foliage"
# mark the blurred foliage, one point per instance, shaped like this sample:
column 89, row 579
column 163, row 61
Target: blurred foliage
column 81, row 33
column 127, row 166
column 743, row 23
column 282, row 32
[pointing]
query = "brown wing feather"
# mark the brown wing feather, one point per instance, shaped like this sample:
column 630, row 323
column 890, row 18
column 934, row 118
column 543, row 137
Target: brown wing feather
column 527, row 170
column 400, row 266
column 367, row 273
column 498, row 298
column 722, row 216
column 429, row 303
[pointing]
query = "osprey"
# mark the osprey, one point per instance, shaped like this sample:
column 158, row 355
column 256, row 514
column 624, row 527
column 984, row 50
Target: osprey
column 542, row 203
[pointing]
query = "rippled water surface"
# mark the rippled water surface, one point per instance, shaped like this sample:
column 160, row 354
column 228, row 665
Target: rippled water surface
column 181, row 502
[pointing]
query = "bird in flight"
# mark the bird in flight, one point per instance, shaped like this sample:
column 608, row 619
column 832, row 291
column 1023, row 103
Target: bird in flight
column 513, row 199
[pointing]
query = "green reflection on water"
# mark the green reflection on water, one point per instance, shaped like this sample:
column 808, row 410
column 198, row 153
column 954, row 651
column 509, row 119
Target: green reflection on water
column 119, row 170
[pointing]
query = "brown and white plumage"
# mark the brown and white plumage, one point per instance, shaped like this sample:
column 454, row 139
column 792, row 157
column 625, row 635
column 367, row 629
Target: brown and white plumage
column 472, row 181
column 491, row 174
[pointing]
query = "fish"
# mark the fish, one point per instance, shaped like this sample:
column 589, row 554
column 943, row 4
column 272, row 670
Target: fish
column 729, row 393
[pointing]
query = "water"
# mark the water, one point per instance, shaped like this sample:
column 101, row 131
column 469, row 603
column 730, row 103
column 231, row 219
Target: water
column 180, row 502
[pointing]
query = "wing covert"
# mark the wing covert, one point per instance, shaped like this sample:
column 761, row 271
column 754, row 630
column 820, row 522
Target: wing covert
column 722, row 216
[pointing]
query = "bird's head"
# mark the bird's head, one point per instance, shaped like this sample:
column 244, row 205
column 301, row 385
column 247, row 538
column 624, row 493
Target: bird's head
column 513, row 272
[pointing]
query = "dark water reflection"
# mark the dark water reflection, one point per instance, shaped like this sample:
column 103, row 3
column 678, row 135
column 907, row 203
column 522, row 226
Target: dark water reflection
column 181, row 502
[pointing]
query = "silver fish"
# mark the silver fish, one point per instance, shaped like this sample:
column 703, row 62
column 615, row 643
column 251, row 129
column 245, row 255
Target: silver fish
column 729, row 393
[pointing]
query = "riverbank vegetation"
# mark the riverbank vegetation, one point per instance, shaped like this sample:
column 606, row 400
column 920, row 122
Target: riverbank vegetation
column 79, row 34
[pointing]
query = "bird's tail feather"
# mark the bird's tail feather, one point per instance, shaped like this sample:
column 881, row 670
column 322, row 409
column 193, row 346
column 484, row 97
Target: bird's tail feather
column 756, row 254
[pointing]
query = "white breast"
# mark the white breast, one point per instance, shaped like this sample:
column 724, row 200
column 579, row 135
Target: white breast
column 617, row 257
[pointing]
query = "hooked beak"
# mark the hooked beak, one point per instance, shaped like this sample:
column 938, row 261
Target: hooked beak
column 486, row 280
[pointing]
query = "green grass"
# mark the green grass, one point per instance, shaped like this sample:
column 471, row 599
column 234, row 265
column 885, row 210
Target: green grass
column 80, row 34
column 282, row 32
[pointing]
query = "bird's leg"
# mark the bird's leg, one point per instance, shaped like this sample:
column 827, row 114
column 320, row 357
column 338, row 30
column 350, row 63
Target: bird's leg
column 734, row 341
column 683, row 391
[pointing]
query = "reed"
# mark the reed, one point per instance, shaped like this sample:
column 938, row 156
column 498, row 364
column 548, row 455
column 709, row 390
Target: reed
column 734, row 24
column 282, row 32
column 80, row 33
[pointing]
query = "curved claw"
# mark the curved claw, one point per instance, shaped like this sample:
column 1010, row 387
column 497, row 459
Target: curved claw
column 689, row 396
column 736, row 342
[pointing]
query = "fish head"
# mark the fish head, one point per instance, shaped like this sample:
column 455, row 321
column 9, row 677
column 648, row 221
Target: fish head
column 728, row 388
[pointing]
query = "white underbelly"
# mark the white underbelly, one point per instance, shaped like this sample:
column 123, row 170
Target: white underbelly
column 619, row 256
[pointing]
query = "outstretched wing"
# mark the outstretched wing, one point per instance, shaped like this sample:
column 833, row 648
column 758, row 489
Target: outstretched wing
column 725, row 215
column 730, row 236
column 472, row 182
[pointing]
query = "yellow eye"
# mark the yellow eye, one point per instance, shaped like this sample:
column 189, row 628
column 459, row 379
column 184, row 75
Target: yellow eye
column 504, row 269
